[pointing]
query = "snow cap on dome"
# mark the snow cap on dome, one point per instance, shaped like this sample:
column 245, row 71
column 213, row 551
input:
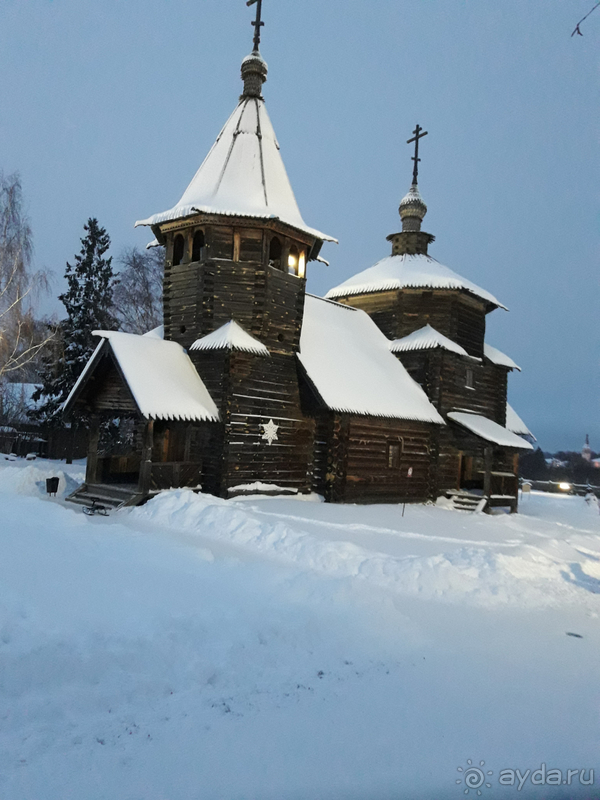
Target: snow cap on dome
column 254, row 74
column 412, row 209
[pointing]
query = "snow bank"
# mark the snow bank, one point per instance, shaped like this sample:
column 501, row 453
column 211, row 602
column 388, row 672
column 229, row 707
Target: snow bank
column 484, row 576
column 26, row 478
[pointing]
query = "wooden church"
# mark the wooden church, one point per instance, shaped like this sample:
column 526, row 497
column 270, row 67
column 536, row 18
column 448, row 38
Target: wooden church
column 383, row 391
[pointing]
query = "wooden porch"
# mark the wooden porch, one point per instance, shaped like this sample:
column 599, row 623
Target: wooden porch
column 492, row 476
column 163, row 455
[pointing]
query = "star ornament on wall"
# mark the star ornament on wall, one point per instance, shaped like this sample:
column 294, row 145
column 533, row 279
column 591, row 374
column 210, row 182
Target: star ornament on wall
column 270, row 431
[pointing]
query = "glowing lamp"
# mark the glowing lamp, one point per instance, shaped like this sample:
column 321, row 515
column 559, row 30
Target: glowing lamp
column 564, row 487
column 302, row 265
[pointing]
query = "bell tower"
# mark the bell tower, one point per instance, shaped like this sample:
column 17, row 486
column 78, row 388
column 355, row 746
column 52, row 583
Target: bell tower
column 236, row 244
column 237, row 250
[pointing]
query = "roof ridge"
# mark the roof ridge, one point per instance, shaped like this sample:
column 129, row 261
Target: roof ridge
column 333, row 302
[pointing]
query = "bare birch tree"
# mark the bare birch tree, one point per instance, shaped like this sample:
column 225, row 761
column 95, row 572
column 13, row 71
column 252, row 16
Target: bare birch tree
column 20, row 339
column 137, row 296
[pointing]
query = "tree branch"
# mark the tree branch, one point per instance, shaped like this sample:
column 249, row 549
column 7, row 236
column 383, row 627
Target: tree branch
column 577, row 29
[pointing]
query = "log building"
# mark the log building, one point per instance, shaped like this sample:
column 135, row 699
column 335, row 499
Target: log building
column 384, row 391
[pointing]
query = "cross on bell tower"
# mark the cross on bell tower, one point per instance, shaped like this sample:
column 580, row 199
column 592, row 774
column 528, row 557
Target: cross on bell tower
column 418, row 134
column 257, row 24
column 254, row 67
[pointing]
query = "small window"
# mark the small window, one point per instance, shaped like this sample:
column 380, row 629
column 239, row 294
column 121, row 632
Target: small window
column 178, row 245
column 394, row 450
column 293, row 261
column 275, row 253
column 469, row 380
column 198, row 246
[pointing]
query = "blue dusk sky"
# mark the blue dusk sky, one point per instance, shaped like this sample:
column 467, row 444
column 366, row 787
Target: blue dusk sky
column 108, row 108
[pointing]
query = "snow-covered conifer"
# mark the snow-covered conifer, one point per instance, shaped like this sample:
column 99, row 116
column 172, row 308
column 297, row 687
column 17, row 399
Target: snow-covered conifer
column 88, row 303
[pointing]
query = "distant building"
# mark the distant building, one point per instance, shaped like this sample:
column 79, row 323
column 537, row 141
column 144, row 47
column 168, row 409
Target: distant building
column 586, row 451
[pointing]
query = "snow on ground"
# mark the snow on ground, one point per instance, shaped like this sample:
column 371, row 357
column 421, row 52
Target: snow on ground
column 278, row 649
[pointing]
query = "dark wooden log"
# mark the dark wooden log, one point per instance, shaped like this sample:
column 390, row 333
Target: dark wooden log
column 91, row 470
column 146, row 460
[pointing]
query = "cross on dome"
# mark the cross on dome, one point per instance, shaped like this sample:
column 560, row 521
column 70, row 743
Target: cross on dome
column 418, row 134
column 257, row 24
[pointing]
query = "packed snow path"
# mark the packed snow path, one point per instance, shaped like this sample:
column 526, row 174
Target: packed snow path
column 279, row 649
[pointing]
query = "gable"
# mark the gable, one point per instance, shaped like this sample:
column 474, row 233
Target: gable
column 157, row 375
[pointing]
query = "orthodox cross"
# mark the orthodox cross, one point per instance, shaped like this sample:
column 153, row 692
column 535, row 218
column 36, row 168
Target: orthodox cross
column 258, row 23
column 417, row 135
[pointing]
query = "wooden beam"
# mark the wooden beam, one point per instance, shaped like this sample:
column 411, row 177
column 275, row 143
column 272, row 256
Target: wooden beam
column 146, row 462
column 487, row 475
column 91, row 469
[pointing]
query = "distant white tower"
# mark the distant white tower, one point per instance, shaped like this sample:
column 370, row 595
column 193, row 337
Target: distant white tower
column 587, row 451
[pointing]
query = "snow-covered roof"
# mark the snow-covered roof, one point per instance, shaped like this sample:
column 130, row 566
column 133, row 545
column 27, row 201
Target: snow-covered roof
column 230, row 336
column 349, row 363
column 408, row 271
column 426, row 338
column 160, row 376
column 515, row 424
column 489, row 430
column 498, row 357
column 156, row 333
column 243, row 175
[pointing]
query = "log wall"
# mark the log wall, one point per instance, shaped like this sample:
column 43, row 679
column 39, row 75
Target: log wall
column 250, row 390
column 455, row 314
column 234, row 279
column 358, row 468
column 443, row 377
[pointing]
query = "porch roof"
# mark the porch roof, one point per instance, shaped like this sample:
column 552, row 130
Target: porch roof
column 489, row 430
column 159, row 374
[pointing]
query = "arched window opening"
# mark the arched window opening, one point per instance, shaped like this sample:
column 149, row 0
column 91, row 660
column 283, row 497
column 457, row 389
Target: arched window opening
column 178, row 245
column 198, row 246
column 293, row 260
column 469, row 379
column 275, row 253
column 302, row 264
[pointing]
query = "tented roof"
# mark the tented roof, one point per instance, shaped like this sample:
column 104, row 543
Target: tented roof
column 230, row 336
column 426, row 338
column 408, row 271
column 498, row 357
column 160, row 376
column 489, row 430
column 515, row 424
column 243, row 175
column 348, row 361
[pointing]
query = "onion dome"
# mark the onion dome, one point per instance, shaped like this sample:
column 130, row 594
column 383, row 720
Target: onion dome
column 412, row 209
column 254, row 74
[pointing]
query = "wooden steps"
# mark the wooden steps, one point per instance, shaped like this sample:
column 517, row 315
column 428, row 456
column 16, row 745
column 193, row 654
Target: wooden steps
column 109, row 496
column 465, row 501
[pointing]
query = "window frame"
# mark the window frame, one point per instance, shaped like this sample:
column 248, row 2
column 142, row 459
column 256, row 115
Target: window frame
column 394, row 450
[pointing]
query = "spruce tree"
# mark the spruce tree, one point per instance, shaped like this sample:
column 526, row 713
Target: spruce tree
column 88, row 302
